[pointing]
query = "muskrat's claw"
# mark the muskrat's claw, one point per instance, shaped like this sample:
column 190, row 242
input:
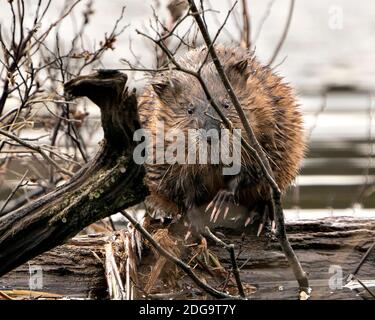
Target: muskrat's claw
column 266, row 217
column 263, row 221
column 273, row 226
column 222, row 200
column 260, row 228
column 250, row 218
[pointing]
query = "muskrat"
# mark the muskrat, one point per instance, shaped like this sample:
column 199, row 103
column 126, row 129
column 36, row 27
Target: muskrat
column 177, row 99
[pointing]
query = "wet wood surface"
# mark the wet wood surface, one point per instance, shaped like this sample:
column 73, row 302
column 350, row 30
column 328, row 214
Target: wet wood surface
column 74, row 269
column 329, row 250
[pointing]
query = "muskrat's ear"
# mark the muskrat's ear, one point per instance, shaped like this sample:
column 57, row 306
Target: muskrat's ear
column 238, row 70
column 166, row 90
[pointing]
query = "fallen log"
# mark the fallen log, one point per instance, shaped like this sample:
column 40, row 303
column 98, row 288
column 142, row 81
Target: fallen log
column 74, row 269
column 329, row 250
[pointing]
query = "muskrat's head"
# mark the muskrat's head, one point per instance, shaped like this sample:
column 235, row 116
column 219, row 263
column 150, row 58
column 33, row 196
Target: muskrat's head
column 184, row 103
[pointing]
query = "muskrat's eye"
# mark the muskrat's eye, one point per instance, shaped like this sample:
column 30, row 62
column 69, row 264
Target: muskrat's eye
column 226, row 104
column 190, row 109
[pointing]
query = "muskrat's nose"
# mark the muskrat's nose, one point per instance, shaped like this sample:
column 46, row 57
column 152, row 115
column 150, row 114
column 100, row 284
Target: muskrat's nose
column 212, row 130
column 211, row 124
column 213, row 139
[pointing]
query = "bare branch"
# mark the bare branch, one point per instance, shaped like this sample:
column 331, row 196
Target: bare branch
column 284, row 34
column 37, row 149
column 246, row 32
column 19, row 184
column 235, row 269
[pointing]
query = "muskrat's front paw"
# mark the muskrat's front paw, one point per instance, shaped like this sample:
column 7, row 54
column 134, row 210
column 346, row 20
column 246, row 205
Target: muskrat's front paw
column 220, row 202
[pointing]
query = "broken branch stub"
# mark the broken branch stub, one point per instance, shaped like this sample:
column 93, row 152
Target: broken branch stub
column 110, row 182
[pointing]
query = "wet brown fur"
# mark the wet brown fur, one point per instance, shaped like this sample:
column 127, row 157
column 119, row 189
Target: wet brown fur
column 269, row 105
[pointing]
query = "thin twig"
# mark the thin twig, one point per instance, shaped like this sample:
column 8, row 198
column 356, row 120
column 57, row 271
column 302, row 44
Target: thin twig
column 246, row 32
column 15, row 189
column 365, row 256
column 364, row 287
column 262, row 21
column 37, row 149
column 284, row 34
column 230, row 248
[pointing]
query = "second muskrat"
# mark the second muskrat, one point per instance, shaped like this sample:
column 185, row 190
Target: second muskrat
column 177, row 99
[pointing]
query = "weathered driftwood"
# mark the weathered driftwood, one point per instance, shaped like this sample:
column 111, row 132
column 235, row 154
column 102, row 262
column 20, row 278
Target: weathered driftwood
column 75, row 269
column 108, row 183
column 323, row 246
column 327, row 249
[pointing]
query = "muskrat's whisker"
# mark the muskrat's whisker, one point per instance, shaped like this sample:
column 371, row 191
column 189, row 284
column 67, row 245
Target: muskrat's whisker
column 165, row 174
column 212, row 117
